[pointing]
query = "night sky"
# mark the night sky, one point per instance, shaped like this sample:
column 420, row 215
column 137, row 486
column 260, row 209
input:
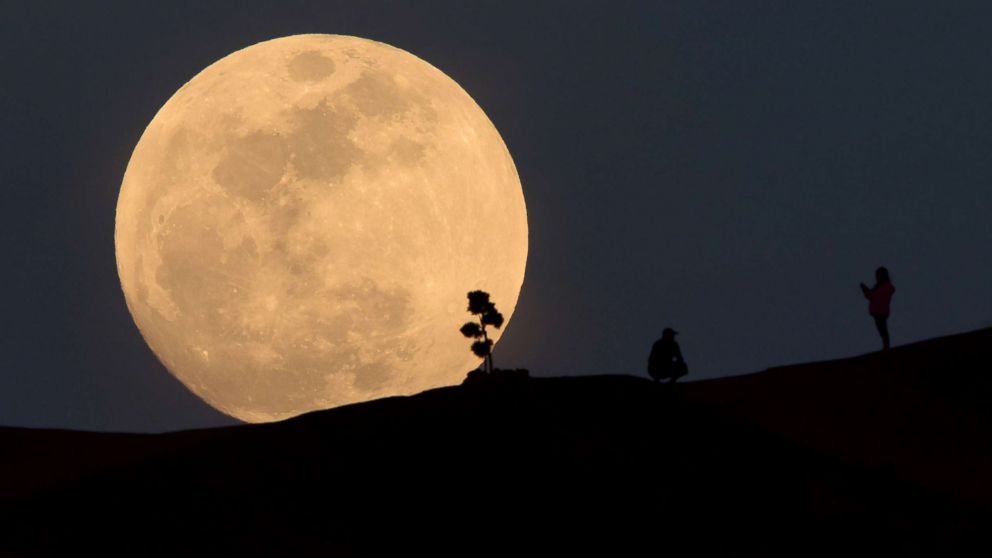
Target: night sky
column 730, row 169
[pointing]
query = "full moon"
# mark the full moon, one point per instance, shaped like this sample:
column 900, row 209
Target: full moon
column 299, row 225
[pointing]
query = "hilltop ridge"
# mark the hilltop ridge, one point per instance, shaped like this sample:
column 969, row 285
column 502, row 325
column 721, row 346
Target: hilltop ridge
column 884, row 453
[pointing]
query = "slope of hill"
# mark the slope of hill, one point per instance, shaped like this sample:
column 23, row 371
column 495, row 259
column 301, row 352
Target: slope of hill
column 881, row 454
column 922, row 412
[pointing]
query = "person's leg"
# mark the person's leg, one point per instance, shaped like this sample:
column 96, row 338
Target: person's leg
column 665, row 372
column 881, row 323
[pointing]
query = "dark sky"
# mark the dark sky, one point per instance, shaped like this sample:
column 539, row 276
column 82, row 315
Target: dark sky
column 733, row 169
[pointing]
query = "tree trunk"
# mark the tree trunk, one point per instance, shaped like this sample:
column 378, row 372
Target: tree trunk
column 489, row 351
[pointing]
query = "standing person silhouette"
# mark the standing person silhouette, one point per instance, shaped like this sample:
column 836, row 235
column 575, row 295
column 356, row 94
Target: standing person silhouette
column 879, row 297
column 666, row 360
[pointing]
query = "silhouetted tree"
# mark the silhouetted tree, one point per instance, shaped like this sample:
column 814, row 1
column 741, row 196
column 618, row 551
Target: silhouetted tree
column 480, row 305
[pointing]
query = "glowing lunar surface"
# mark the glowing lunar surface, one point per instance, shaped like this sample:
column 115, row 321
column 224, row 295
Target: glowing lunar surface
column 300, row 223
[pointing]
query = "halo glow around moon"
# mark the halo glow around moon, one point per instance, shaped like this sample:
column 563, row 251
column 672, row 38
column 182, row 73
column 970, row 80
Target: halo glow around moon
column 299, row 225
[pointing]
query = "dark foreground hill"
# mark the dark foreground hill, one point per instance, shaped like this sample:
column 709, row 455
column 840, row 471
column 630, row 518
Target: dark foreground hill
column 886, row 454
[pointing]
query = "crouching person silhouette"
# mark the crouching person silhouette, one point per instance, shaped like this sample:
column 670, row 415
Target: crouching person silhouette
column 666, row 358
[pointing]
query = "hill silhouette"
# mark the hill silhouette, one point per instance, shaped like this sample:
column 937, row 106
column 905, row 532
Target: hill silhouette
column 884, row 454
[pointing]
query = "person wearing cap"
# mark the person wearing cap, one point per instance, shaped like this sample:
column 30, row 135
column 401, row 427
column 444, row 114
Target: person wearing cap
column 666, row 358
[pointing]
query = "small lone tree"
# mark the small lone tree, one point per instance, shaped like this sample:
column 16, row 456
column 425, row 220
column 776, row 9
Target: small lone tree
column 479, row 305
